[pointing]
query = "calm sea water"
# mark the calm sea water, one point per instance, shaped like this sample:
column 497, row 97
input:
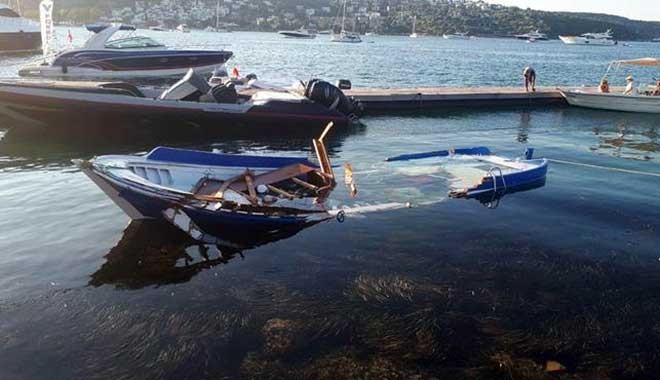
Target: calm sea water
column 447, row 289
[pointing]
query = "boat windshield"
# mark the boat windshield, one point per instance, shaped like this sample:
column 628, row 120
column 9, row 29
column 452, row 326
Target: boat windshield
column 133, row 43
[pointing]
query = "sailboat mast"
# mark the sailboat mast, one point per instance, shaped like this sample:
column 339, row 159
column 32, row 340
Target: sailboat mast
column 414, row 24
column 343, row 17
column 217, row 14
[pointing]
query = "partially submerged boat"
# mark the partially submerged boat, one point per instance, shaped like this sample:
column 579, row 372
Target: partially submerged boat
column 61, row 105
column 644, row 101
column 479, row 174
column 209, row 194
column 132, row 56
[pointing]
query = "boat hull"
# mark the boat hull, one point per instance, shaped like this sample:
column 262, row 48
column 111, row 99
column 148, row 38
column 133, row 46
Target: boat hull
column 113, row 64
column 141, row 204
column 613, row 102
column 20, row 42
column 39, row 110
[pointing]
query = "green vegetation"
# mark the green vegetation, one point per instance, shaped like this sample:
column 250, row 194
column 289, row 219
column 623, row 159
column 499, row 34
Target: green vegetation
column 388, row 17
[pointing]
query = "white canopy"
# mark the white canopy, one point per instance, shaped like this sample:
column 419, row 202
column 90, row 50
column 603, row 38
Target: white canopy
column 639, row 62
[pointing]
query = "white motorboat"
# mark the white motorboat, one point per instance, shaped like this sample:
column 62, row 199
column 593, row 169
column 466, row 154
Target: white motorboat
column 456, row 36
column 597, row 39
column 300, row 33
column 183, row 28
column 17, row 34
column 533, row 35
column 129, row 56
column 643, row 102
column 344, row 35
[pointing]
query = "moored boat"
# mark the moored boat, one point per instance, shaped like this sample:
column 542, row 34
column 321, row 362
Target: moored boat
column 456, row 36
column 344, row 35
column 38, row 105
column 208, row 193
column 642, row 101
column 300, row 33
column 535, row 35
column 129, row 57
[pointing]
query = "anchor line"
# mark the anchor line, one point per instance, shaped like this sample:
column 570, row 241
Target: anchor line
column 621, row 170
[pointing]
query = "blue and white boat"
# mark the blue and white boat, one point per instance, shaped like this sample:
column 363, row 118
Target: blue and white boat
column 209, row 194
column 128, row 57
column 477, row 173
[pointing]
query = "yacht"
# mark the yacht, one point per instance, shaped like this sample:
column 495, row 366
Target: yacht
column 456, row 36
column 599, row 39
column 132, row 56
column 344, row 35
column 17, row 34
column 300, row 33
column 533, row 35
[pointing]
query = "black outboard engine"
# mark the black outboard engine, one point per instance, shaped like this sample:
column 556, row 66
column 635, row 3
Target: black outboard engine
column 225, row 93
column 332, row 97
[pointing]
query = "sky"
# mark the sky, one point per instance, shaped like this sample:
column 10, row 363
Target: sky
column 635, row 9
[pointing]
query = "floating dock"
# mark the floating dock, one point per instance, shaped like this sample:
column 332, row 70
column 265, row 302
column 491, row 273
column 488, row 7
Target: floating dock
column 439, row 98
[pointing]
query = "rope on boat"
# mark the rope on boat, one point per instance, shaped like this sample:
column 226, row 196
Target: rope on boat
column 621, row 170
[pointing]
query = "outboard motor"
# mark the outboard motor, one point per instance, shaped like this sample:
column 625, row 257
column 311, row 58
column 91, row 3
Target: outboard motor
column 225, row 93
column 189, row 88
column 330, row 96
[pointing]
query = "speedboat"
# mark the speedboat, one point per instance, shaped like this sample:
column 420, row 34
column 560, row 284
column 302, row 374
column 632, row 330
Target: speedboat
column 536, row 35
column 477, row 173
column 17, row 34
column 456, row 36
column 300, row 33
column 130, row 57
column 643, row 102
column 206, row 193
column 191, row 104
column 598, row 39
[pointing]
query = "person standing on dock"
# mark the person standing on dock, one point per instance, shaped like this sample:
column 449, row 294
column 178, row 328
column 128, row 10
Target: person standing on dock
column 530, row 78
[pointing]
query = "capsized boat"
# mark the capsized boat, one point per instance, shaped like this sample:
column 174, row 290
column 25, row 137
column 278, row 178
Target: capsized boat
column 65, row 106
column 208, row 194
column 128, row 57
column 478, row 173
column 643, row 102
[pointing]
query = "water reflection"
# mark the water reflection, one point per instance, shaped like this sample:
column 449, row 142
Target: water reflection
column 492, row 200
column 157, row 253
column 627, row 142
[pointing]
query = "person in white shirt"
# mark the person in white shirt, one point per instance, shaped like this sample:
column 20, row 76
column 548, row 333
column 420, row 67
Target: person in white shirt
column 630, row 87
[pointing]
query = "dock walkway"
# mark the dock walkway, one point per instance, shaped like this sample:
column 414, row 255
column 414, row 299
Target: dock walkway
column 437, row 98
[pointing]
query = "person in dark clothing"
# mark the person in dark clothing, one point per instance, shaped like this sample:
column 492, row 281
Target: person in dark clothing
column 530, row 78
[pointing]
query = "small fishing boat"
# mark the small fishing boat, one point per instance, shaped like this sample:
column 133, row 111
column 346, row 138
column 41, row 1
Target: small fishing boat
column 42, row 106
column 643, row 101
column 477, row 173
column 208, row 194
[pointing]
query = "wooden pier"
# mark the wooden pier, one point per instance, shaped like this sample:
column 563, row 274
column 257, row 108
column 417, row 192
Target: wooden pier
column 439, row 98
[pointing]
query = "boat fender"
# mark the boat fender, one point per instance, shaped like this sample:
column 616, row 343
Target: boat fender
column 341, row 216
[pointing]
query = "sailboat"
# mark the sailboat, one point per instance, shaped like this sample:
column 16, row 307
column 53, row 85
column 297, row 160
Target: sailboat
column 217, row 27
column 345, row 36
column 414, row 34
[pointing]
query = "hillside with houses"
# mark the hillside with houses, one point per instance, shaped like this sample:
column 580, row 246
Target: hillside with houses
column 434, row 17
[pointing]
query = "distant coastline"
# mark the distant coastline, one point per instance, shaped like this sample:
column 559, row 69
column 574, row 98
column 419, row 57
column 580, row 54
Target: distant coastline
column 440, row 17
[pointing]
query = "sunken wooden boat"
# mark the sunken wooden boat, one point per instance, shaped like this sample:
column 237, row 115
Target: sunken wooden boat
column 479, row 174
column 209, row 194
column 192, row 104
